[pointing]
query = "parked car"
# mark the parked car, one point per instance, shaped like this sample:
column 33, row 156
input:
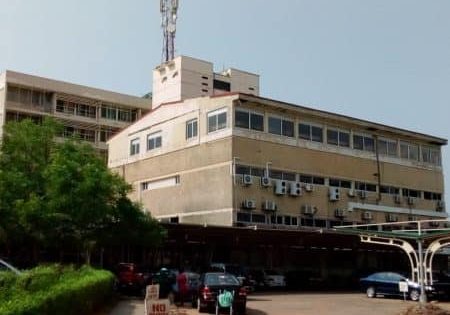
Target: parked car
column 441, row 284
column 387, row 283
column 213, row 287
column 4, row 266
column 131, row 277
column 274, row 279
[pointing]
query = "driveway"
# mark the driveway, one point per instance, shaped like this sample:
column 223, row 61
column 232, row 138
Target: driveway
column 297, row 304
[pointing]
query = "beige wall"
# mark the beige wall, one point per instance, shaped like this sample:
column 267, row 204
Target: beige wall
column 205, row 182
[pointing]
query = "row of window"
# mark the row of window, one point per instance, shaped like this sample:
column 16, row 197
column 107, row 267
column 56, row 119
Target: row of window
column 342, row 138
column 88, row 134
column 77, row 109
column 287, row 220
column 335, row 182
column 154, row 141
column 29, row 97
column 112, row 112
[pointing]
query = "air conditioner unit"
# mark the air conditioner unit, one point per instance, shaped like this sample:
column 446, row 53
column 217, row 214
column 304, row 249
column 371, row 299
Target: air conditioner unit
column 280, row 187
column 295, row 189
column 391, row 217
column 340, row 213
column 247, row 179
column 309, row 187
column 308, row 210
column 269, row 205
column 398, row 199
column 351, row 193
column 440, row 205
column 366, row 215
column 363, row 194
column 265, row 181
column 334, row 194
column 249, row 204
column 411, row 200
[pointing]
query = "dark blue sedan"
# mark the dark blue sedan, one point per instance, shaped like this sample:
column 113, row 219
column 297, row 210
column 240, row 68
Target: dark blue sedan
column 387, row 283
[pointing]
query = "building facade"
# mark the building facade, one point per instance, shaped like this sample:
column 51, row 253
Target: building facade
column 242, row 160
column 91, row 114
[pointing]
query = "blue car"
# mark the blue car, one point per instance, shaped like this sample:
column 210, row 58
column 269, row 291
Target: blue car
column 387, row 283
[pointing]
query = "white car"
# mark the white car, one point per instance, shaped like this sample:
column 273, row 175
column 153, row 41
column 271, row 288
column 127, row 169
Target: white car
column 273, row 279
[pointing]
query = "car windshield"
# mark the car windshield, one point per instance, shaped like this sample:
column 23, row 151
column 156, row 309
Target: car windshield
column 220, row 279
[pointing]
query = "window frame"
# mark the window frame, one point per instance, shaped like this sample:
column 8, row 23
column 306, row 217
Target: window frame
column 190, row 126
column 154, row 136
column 135, row 146
column 282, row 120
column 311, row 136
column 339, row 132
column 216, row 113
column 250, row 114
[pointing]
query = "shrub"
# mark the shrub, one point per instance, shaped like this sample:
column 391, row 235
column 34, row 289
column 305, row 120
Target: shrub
column 55, row 289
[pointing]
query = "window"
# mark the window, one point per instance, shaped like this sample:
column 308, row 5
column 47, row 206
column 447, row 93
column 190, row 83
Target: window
column 309, row 132
column 363, row 143
column 105, row 134
column 279, row 126
column 109, row 112
column 390, row 190
column 387, row 147
column 221, row 85
column 154, row 141
column 365, row 186
column 258, row 218
column 287, row 220
column 334, row 182
column 217, row 120
column 134, row 146
column 410, row 193
column 191, row 129
column 409, row 151
column 243, row 217
column 247, row 170
column 432, row 196
column 339, row 138
column 248, row 120
column 430, row 155
column 294, row 221
column 308, row 179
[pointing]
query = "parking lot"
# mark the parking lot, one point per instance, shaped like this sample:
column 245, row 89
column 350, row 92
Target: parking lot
column 298, row 304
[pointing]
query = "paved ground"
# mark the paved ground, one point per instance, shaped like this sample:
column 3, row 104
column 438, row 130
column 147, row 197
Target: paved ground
column 298, row 304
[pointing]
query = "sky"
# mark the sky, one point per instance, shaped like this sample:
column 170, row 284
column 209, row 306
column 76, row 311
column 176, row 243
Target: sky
column 386, row 61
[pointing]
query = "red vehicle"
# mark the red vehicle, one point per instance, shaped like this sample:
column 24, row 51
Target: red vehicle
column 130, row 277
column 212, row 286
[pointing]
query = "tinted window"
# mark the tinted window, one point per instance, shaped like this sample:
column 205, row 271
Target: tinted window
column 221, row 279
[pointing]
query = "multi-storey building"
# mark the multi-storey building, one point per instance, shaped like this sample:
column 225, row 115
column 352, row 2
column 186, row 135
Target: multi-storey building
column 92, row 114
column 236, row 159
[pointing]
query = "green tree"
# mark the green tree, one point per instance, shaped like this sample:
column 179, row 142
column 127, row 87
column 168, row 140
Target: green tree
column 25, row 153
column 59, row 193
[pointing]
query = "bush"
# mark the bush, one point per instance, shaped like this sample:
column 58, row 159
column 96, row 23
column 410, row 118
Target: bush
column 55, row 289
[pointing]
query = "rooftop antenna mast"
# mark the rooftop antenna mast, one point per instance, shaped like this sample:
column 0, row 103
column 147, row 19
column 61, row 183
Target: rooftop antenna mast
column 169, row 9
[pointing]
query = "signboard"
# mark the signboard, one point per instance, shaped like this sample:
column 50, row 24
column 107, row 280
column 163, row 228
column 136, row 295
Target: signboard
column 403, row 286
column 157, row 307
column 152, row 292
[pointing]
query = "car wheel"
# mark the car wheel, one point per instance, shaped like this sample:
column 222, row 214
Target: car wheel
column 414, row 295
column 371, row 292
column 200, row 309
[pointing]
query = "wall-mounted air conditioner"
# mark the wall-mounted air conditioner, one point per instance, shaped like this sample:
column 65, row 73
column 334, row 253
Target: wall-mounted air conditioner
column 411, row 200
column 265, row 181
column 391, row 217
column 440, row 205
column 363, row 194
column 308, row 210
column 295, row 189
column 249, row 204
column 280, row 187
column 340, row 213
column 269, row 205
column 334, row 194
column 351, row 193
column 366, row 215
column 309, row 187
column 247, row 179
column 397, row 199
